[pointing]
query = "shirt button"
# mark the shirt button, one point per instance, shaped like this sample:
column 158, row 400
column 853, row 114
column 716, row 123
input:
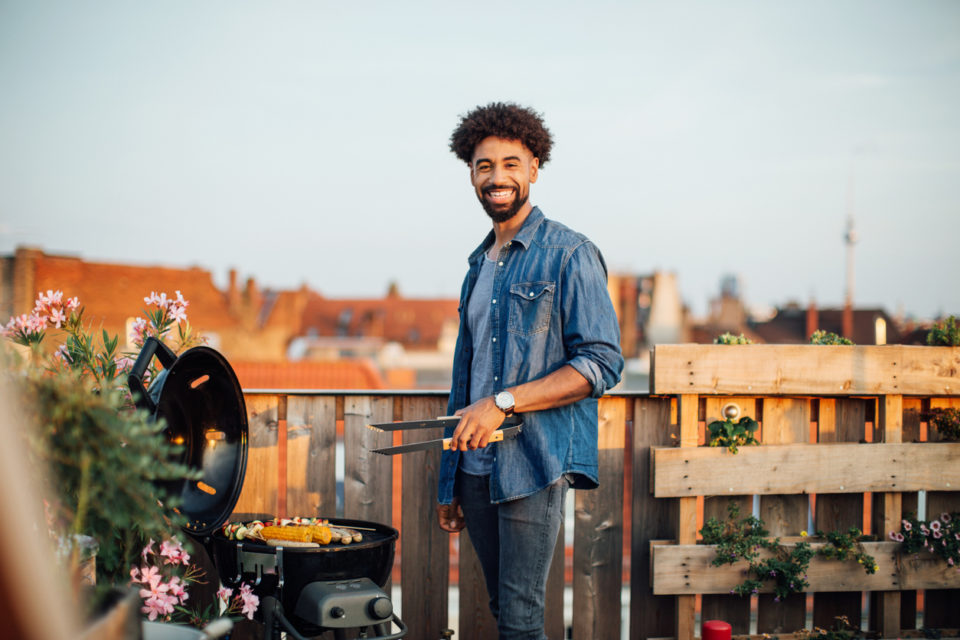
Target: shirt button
column 494, row 301
column 501, row 263
column 494, row 339
column 531, row 294
column 495, row 378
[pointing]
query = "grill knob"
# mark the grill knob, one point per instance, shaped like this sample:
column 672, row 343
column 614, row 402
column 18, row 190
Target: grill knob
column 337, row 612
column 380, row 608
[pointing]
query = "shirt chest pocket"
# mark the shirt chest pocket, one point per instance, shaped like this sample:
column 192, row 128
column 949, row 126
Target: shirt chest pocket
column 531, row 304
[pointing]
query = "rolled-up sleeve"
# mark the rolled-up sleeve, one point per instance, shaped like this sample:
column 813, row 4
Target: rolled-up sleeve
column 591, row 335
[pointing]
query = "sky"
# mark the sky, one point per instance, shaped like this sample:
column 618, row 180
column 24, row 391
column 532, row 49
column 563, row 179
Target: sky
column 306, row 142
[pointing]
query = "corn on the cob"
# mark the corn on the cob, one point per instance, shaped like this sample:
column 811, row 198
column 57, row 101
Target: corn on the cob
column 294, row 533
column 321, row 534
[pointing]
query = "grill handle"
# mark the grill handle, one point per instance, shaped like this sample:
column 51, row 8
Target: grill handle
column 166, row 356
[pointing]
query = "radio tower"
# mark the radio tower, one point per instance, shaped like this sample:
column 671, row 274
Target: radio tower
column 850, row 238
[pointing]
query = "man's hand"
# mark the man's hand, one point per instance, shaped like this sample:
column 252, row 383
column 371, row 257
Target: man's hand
column 450, row 516
column 477, row 422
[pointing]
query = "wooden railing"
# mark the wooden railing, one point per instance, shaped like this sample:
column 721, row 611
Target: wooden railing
column 657, row 486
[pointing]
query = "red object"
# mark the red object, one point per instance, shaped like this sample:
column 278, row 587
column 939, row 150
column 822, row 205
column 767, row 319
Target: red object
column 716, row 630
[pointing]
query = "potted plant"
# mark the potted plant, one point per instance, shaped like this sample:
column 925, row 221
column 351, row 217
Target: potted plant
column 105, row 461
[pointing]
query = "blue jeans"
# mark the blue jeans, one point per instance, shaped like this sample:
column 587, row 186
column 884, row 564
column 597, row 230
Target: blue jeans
column 514, row 541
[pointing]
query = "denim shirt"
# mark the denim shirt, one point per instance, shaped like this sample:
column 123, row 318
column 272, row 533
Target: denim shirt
column 550, row 308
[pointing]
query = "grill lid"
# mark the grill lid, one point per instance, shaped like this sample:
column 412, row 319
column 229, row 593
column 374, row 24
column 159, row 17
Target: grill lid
column 199, row 397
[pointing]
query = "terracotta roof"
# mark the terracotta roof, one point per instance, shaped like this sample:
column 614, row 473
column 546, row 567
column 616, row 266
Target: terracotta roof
column 110, row 293
column 339, row 374
column 414, row 323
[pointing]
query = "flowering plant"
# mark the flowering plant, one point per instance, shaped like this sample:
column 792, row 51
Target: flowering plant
column 105, row 460
column 741, row 539
column 940, row 537
column 79, row 351
column 163, row 588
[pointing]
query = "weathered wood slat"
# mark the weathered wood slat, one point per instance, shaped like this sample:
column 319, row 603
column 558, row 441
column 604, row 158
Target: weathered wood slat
column 797, row 469
column 311, row 456
column 367, row 477
column 259, row 494
column 806, row 370
column 785, row 421
column 476, row 621
column 426, row 547
column 598, row 535
column 650, row 615
column 686, row 569
column 840, row 420
column 688, row 406
column 885, row 606
column 729, row 608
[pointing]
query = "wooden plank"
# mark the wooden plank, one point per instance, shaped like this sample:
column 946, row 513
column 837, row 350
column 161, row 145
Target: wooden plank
column 806, row 370
column 259, row 494
column 803, row 468
column 940, row 607
column 688, row 405
column 885, row 606
column 908, row 504
column 686, row 569
column 651, row 519
column 785, row 421
column 730, row 608
column 311, row 456
column 840, row 420
column 367, row 477
column 598, row 534
column 476, row 621
column 426, row 547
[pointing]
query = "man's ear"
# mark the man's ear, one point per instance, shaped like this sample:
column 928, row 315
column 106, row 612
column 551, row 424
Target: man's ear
column 534, row 169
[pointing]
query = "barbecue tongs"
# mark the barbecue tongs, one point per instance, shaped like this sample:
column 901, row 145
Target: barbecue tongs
column 512, row 425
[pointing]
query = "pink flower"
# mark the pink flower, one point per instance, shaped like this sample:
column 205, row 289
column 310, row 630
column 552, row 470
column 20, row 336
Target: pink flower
column 124, row 363
column 935, row 525
column 160, row 604
column 907, row 526
column 151, row 577
column 73, row 303
column 147, row 550
column 178, row 589
column 896, row 536
column 134, row 574
column 945, row 517
column 950, row 561
column 250, row 601
column 174, row 552
column 937, row 534
column 223, row 598
column 57, row 318
column 178, row 313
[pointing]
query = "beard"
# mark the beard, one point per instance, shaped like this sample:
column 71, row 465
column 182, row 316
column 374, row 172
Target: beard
column 499, row 213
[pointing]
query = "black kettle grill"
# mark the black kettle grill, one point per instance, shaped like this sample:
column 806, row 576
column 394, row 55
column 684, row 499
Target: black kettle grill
column 303, row 591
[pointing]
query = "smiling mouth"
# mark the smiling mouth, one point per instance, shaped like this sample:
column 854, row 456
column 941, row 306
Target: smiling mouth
column 499, row 194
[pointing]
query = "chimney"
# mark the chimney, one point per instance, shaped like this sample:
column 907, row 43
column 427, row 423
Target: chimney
column 233, row 293
column 813, row 319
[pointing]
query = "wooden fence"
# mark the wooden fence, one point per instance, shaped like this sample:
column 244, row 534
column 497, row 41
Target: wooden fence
column 861, row 406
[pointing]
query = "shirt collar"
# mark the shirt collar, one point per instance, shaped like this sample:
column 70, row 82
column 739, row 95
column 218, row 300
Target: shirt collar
column 524, row 236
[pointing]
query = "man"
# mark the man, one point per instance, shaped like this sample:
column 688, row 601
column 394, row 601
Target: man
column 539, row 337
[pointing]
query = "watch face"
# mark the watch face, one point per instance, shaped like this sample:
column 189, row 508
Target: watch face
column 504, row 400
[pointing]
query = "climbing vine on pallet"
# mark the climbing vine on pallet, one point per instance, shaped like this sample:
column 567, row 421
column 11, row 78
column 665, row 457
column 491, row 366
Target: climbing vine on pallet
column 739, row 539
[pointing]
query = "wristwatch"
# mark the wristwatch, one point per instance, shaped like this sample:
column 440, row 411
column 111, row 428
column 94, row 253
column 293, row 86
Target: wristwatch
column 504, row 401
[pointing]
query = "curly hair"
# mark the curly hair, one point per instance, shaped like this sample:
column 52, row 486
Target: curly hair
column 503, row 120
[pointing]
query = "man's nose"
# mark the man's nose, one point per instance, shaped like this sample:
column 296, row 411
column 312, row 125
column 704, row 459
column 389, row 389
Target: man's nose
column 497, row 174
